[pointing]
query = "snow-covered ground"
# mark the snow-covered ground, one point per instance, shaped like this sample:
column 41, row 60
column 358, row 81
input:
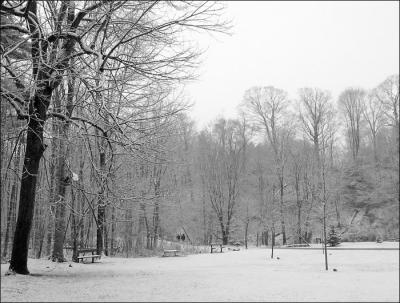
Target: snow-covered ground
column 245, row 275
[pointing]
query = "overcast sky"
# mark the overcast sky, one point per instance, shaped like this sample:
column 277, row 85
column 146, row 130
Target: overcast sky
column 289, row 45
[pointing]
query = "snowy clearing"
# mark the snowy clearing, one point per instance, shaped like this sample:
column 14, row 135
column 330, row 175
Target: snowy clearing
column 245, row 275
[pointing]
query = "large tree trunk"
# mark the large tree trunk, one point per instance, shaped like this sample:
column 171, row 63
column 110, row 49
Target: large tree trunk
column 34, row 151
column 224, row 231
column 62, row 176
column 225, row 237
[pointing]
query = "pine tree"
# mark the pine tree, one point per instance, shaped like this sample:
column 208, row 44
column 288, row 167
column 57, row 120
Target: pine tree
column 333, row 237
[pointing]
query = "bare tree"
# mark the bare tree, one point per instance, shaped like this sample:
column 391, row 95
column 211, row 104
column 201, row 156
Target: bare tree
column 351, row 102
column 297, row 171
column 374, row 115
column 315, row 113
column 388, row 94
column 265, row 107
column 222, row 168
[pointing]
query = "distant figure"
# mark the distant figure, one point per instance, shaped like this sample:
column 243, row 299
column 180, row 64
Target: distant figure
column 178, row 237
column 183, row 237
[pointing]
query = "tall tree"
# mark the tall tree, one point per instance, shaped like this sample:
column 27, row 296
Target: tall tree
column 374, row 115
column 315, row 114
column 265, row 107
column 222, row 168
column 351, row 102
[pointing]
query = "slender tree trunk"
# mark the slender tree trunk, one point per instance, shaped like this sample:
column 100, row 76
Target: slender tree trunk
column 11, row 208
column 41, row 241
column 273, row 242
column 141, row 228
column 52, row 190
column 246, row 229
column 81, row 203
column 101, row 205
column 205, row 229
column 299, row 224
column 375, row 148
column 60, row 227
column 298, row 203
column 156, row 215
column 325, row 251
column 337, row 211
column 283, row 230
column 74, row 229
column 112, row 249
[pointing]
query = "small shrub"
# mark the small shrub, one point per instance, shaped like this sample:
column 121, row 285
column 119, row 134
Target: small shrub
column 333, row 237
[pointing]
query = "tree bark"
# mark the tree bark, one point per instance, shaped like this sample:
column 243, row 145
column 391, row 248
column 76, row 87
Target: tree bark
column 60, row 227
column 34, row 151
column 10, row 211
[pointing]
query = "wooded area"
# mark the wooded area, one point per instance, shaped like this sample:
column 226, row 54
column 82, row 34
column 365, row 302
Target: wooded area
column 98, row 148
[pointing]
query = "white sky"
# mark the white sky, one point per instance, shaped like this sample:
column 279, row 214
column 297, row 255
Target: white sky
column 330, row 45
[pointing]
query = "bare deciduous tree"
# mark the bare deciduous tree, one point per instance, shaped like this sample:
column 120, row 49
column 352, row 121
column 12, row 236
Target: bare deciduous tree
column 351, row 102
column 265, row 107
column 315, row 113
column 222, row 168
column 374, row 115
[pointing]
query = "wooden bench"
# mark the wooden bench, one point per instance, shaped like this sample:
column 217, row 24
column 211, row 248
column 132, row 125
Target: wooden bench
column 298, row 245
column 214, row 246
column 83, row 251
column 170, row 253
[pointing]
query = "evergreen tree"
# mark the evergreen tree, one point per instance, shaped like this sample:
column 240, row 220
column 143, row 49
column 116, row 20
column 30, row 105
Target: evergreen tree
column 333, row 237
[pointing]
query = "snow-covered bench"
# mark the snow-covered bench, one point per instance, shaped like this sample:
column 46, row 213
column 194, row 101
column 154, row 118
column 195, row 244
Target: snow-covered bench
column 170, row 252
column 215, row 245
column 298, row 245
column 85, row 250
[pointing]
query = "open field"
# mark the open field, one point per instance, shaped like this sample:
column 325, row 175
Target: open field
column 246, row 275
